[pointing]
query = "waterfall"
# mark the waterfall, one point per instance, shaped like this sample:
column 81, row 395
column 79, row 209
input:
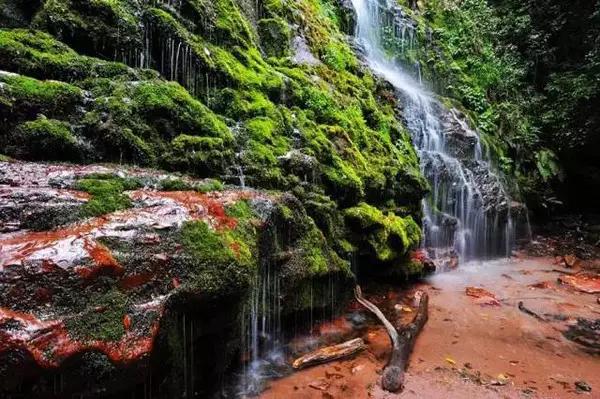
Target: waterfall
column 468, row 211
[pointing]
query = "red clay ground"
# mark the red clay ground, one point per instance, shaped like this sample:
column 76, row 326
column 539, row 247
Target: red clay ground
column 471, row 349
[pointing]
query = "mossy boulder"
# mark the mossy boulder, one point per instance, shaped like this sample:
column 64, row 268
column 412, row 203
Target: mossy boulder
column 46, row 139
column 388, row 237
column 275, row 36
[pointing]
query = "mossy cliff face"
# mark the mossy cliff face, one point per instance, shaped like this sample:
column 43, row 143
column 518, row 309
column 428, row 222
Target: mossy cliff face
column 268, row 95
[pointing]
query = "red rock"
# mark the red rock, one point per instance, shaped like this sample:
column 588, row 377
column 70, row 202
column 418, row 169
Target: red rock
column 75, row 256
column 584, row 282
column 541, row 285
column 483, row 296
column 570, row 260
column 126, row 322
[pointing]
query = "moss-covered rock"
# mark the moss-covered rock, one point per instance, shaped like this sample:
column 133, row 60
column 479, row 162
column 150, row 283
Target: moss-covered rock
column 388, row 238
column 46, row 139
column 275, row 36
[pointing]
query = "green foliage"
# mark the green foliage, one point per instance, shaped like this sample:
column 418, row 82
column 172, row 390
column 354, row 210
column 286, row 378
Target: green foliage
column 547, row 164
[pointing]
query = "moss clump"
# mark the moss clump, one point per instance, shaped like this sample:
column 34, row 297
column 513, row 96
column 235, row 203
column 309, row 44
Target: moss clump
column 210, row 185
column 174, row 184
column 107, row 194
column 46, row 139
column 275, row 35
column 205, row 243
column 240, row 210
column 221, row 261
column 202, row 156
column 103, row 320
column 388, row 237
column 40, row 55
column 26, row 97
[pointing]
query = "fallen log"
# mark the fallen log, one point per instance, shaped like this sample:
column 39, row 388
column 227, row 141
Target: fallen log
column 402, row 342
column 330, row 353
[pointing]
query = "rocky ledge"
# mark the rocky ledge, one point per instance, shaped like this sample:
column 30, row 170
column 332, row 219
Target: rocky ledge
column 98, row 259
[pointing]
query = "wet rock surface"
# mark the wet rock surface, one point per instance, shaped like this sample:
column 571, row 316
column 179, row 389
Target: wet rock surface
column 113, row 284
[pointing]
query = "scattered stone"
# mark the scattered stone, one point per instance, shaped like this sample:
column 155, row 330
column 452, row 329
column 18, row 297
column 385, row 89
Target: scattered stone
column 583, row 386
column 584, row 282
column 483, row 296
column 501, row 380
column 541, row 285
column 358, row 368
column 320, row 385
column 570, row 260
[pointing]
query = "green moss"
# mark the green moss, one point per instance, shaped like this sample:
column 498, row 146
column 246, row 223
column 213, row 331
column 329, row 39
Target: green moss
column 105, row 26
column 107, row 194
column 174, row 184
column 210, row 185
column 240, row 210
column 5, row 158
column 275, row 35
column 204, row 243
column 221, row 247
column 203, row 156
column 38, row 54
column 46, row 139
column 103, row 320
column 27, row 97
column 327, row 132
column 388, row 237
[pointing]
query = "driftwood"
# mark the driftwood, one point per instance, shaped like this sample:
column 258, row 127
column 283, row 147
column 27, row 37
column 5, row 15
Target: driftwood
column 402, row 342
column 330, row 353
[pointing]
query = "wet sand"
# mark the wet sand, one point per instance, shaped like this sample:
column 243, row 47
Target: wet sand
column 469, row 349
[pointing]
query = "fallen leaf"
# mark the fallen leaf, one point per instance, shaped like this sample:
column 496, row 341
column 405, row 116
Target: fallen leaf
column 450, row 360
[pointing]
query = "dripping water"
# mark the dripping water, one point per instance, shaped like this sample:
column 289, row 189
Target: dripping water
column 262, row 340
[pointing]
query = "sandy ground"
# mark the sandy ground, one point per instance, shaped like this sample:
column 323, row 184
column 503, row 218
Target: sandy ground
column 470, row 349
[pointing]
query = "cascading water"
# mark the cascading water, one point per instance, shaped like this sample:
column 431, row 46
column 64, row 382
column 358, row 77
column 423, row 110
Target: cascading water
column 468, row 210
